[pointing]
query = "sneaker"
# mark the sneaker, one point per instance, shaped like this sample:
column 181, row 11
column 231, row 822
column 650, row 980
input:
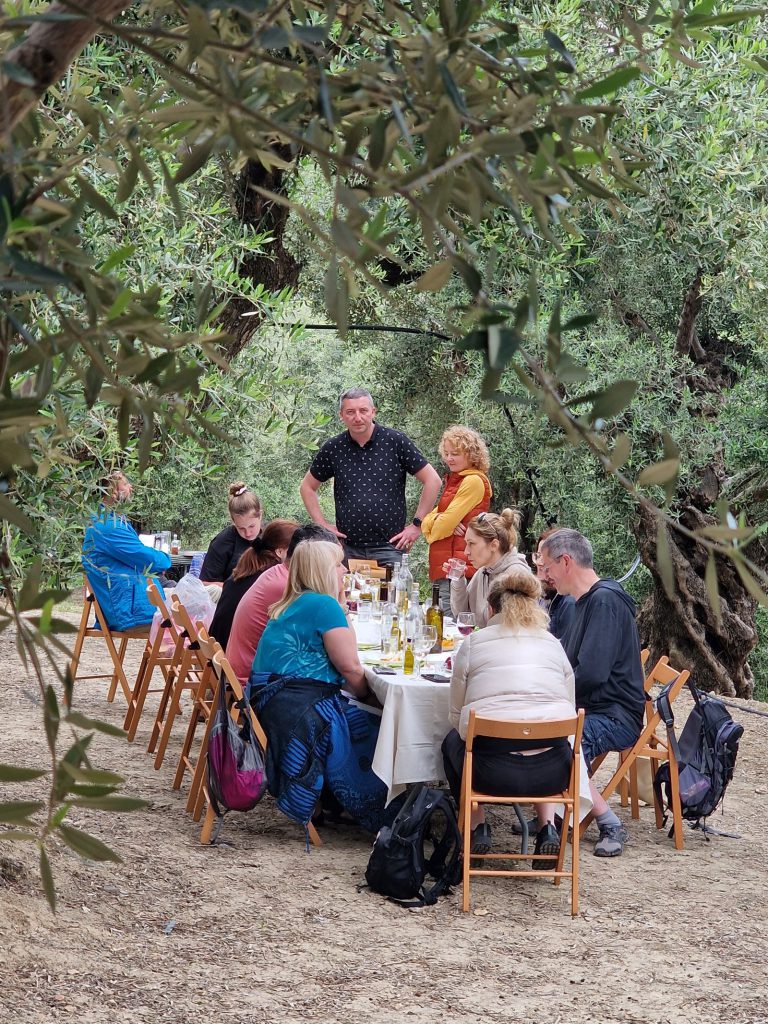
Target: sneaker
column 611, row 841
column 547, row 842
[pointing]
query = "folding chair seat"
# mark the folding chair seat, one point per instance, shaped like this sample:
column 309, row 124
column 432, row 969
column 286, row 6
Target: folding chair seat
column 471, row 799
column 116, row 642
column 158, row 657
column 650, row 746
column 185, row 677
column 226, row 677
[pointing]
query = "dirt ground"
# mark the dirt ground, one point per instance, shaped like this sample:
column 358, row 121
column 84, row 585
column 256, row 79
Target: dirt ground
column 258, row 931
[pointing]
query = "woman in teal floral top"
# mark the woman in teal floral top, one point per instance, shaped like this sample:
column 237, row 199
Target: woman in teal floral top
column 320, row 744
column 308, row 635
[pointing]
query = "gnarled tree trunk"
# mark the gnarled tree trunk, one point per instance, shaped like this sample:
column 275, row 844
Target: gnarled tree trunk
column 685, row 627
column 276, row 269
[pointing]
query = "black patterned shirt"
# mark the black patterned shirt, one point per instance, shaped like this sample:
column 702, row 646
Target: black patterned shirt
column 369, row 482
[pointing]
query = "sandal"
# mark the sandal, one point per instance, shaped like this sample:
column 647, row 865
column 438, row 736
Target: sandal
column 548, row 843
column 481, row 840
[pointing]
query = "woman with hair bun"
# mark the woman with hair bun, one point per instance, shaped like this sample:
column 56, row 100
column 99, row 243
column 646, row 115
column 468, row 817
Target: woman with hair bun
column 491, row 543
column 261, row 554
column 225, row 549
column 467, row 492
column 513, row 669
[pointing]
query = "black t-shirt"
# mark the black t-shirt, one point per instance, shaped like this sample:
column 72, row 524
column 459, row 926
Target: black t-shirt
column 232, row 594
column 222, row 555
column 369, row 482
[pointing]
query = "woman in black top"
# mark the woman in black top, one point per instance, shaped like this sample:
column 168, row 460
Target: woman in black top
column 227, row 547
column 263, row 552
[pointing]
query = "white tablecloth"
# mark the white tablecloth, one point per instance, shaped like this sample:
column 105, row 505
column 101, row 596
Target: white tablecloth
column 414, row 724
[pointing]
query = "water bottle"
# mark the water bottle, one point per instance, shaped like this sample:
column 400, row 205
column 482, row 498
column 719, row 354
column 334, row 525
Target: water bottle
column 197, row 563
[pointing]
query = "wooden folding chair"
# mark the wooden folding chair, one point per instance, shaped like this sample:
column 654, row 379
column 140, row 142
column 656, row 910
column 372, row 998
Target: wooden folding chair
column 236, row 698
column 653, row 747
column 185, row 677
column 157, row 657
column 202, row 703
column 375, row 571
column 115, row 640
column 569, row 798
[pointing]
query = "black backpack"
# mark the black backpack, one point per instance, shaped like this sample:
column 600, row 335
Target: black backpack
column 399, row 863
column 706, row 754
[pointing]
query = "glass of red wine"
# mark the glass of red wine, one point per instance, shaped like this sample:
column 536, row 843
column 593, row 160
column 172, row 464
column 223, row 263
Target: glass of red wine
column 465, row 622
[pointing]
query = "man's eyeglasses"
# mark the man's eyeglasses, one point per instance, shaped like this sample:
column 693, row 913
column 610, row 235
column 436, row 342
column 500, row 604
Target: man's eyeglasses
column 538, row 561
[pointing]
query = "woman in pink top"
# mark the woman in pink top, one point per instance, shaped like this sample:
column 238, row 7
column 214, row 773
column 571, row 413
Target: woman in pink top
column 252, row 613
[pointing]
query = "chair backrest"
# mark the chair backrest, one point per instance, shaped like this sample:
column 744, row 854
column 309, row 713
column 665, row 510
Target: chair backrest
column 500, row 728
column 663, row 674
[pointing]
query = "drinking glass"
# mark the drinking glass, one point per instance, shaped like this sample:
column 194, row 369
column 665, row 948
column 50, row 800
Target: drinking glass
column 424, row 641
column 466, row 622
column 456, row 568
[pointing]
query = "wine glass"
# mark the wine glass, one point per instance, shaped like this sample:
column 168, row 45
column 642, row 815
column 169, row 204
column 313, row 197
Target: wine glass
column 465, row 622
column 423, row 642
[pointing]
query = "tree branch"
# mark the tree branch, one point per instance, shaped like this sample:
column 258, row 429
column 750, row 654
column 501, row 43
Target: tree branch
column 46, row 52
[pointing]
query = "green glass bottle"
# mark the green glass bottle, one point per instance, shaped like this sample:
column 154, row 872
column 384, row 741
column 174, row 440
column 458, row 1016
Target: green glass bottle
column 408, row 661
column 435, row 617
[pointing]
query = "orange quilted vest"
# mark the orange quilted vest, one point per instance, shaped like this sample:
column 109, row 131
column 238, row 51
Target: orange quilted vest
column 453, row 547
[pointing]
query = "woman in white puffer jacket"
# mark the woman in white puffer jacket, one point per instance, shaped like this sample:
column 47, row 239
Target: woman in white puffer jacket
column 512, row 669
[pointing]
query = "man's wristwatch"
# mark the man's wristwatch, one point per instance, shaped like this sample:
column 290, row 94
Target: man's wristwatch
column 416, row 521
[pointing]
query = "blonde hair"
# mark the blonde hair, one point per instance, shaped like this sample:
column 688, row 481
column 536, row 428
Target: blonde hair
column 515, row 598
column 312, row 568
column 502, row 527
column 469, row 443
column 242, row 500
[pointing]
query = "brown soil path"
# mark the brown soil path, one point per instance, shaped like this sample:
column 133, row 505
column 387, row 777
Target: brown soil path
column 258, row 931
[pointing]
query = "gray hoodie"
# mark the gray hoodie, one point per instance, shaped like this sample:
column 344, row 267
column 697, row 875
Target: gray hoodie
column 472, row 595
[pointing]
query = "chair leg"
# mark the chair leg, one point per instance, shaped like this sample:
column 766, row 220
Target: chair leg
column 467, row 843
column 118, row 675
column 677, row 812
column 174, row 709
column 139, row 696
column 575, row 864
column 80, row 639
column 184, row 759
column 634, row 795
column 208, row 823
column 157, row 726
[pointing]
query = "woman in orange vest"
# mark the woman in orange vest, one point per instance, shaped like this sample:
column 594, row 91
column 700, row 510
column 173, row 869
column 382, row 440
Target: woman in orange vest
column 467, row 492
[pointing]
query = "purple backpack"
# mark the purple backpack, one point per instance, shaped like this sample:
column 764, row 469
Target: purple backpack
column 237, row 777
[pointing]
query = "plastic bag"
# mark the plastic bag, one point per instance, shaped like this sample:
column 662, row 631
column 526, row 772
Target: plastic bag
column 193, row 595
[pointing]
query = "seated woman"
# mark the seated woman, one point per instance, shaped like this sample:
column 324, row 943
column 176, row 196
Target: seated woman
column 490, row 541
column 513, row 669
column 227, row 547
column 265, row 551
column 116, row 563
column 316, row 738
column 467, row 492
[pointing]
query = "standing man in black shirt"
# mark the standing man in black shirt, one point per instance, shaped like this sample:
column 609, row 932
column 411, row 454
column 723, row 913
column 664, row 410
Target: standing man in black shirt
column 369, row 465
column 603, row 646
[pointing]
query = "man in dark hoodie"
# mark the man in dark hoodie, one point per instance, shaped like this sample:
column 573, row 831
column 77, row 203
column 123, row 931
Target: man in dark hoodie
column 603, row 646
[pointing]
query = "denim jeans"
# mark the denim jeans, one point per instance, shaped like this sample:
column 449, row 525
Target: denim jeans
column 602, row 734
column 384, row 554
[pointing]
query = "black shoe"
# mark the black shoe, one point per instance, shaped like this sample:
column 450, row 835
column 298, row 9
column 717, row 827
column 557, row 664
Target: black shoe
column 547, row 842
